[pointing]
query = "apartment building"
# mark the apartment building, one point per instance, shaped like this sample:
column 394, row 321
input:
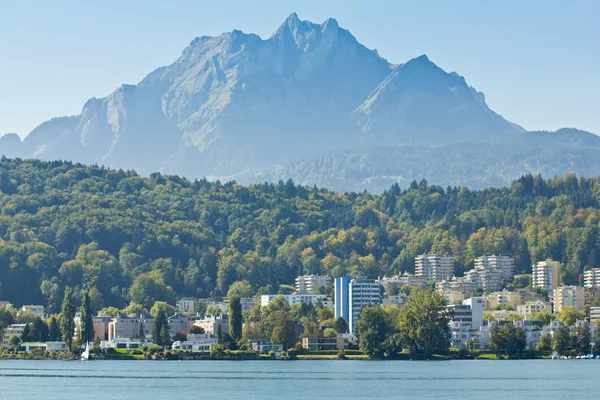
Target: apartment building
column 309, row 284
column 433, row 267
column 10, row 331
column 504, row 298
column 503, row 264
column 211, row 324
column 313, row 299
column 186, row 305
column 531, row 307
column 568, row 296
column 591, row 278
column 402, row 280
column 128, row 326
column 354, row 293
column 487, row 279
column 397, row 300
column 362, row 292
column 595, row 315
column 545, row 274
column 467, row 320
column 467, row 283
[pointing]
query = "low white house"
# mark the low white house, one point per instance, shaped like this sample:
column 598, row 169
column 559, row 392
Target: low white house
column 203, row 342
column 48, row 346
column 123, row 343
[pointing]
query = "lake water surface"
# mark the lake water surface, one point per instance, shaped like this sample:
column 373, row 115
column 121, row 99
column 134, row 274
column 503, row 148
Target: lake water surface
column 270, row 380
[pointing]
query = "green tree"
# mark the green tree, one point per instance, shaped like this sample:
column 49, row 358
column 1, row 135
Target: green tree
column 213, row 310
column 235, row 317
column 161, row 325
column 569, row 315
column 329, row 333
column 200, row 307
column 373, row 329
column 583, row 338
column 54, row 333
column 240, row 289
column 545, row 342
column 561, row 340
column 135, row 308
column 39, row 331
column 340, row 325
column 545, row 316
column 15, row 343
column 148, row 288
column 162, row 307
column 283, row 330
column 423, row 322
column 86, row 327
column 495, row 342
column 26, row 334
column 67, row 315
column 141, row 333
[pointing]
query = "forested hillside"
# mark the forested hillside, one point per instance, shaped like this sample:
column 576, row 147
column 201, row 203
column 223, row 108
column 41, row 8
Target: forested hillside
column 125, row 237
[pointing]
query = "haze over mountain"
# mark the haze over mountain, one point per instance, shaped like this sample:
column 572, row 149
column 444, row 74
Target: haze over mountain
column 310, row 103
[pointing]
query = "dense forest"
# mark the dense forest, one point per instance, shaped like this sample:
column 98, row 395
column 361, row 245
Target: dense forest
column 128, row 238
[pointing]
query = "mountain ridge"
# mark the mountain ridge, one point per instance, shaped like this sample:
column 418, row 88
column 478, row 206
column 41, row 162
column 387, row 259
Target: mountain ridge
column 237, row 106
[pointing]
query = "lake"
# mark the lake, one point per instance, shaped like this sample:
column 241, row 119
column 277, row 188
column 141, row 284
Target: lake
column 270, row 380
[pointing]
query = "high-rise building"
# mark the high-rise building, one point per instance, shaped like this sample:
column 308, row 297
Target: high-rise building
column 545, row 274
column 568, row 296
column 352, row 294
column 342, row 297
column 434, row 267
column 309, row 284
column 362, row 292
column 591, row 278
column 502, row 265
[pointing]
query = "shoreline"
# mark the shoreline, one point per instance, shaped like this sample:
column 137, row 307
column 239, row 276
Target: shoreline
column 251, row 356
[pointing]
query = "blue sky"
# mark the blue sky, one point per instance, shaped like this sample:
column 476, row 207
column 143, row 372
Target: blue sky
column 537, row 61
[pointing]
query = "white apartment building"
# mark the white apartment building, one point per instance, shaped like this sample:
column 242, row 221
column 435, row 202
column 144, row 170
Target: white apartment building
column 595, row 315
column 308, row 284
column 568, row 296
column 545, row 274
column 467, row 320
column 591, row 278
column 531, row 307
column 313, row 299
column 362, row 292
column 464, row 284
column 401, row 280
column 10, row 331
column 434, row 267
column 186, row 305
column 505, row 265
column 198, row 342
column 487, row 279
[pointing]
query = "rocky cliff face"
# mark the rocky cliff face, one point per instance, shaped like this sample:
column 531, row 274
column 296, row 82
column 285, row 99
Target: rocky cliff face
column 237, row 106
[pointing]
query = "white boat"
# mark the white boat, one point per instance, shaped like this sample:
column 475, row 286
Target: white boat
column 85, row 356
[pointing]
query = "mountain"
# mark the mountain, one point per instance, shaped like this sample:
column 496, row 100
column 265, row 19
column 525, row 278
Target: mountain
column 421, row 103
column 304, row 103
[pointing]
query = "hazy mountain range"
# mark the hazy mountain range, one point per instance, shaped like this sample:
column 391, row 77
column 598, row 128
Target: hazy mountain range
column 310, row 103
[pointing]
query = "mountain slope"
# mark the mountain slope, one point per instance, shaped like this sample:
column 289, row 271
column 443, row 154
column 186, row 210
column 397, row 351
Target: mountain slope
column 475, row 165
